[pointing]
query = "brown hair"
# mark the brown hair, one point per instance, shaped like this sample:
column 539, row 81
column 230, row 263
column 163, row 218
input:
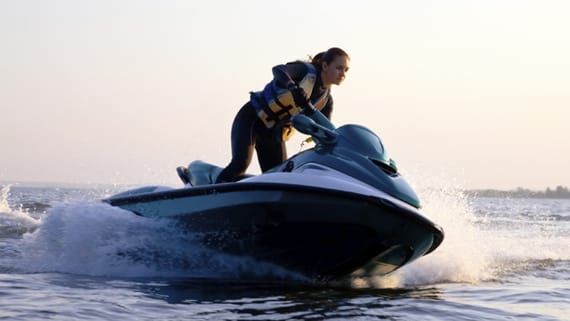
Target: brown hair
column 327, row 56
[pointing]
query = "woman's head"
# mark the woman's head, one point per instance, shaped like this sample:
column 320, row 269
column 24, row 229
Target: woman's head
column 332, row 65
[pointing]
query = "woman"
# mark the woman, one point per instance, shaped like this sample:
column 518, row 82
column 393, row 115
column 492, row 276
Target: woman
column 263, row 123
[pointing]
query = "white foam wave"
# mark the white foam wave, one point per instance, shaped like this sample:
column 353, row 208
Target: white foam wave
column 464, row 256
column 477, row 246
column 101, row 240
column 4, row 193
column 13, row 222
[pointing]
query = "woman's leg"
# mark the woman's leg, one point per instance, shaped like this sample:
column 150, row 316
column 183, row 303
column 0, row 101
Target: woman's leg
column 270, row 147
column 242, row 145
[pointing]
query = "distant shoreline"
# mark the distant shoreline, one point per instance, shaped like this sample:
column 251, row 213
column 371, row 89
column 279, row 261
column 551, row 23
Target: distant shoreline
column 560, row 192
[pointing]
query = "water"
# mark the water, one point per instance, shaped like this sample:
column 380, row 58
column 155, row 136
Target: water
column 66, row 256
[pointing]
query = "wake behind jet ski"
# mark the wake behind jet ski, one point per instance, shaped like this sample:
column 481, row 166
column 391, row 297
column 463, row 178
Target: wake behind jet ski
column 338, row 209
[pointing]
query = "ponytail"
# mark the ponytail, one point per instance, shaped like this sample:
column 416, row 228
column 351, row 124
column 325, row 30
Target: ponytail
column 327, row 56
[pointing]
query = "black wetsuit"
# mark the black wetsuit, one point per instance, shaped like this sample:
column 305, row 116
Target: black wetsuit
column 249, row 132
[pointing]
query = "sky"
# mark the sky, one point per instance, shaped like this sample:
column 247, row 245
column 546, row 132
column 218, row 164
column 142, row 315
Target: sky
column 122, row 92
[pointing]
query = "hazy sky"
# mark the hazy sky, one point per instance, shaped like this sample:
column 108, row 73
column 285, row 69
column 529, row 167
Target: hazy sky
column 124, row 91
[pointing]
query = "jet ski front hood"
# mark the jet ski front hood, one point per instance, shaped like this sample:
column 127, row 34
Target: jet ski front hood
column 322, row 178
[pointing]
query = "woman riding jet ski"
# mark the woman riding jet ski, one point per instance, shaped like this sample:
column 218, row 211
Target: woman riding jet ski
column 264, row 121
column 338, row 209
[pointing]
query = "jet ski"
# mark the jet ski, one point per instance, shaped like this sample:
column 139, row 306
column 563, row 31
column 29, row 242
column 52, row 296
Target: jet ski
column 338, row 209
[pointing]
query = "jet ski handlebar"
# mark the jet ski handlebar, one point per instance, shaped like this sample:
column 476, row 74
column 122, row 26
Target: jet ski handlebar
column 315, row 124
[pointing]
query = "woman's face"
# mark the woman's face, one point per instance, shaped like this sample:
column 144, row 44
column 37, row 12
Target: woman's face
column 335, row 72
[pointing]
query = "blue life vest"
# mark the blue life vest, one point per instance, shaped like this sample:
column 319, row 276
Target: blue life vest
column 275, row 105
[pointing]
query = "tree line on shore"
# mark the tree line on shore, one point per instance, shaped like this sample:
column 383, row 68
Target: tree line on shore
column 558, row 192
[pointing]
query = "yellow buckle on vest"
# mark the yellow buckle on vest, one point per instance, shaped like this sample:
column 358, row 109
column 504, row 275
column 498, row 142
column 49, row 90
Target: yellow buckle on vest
column 265, row 119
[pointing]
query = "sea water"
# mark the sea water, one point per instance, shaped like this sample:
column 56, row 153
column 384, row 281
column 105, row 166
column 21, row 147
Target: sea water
column 64, row 255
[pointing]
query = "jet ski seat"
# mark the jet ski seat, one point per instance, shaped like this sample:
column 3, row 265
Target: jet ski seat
column 201, row 173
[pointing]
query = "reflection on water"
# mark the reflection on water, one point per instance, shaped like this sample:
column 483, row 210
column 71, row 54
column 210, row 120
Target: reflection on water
column 231, row 299
column 206, row 299
column 199, row 290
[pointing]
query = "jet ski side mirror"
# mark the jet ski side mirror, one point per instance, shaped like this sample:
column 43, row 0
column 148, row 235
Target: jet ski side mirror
column 308, row 126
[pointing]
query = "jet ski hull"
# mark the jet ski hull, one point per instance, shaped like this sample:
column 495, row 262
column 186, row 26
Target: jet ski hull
column 319, row 232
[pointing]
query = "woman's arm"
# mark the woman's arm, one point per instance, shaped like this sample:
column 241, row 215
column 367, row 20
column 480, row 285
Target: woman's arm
column 285, row 75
